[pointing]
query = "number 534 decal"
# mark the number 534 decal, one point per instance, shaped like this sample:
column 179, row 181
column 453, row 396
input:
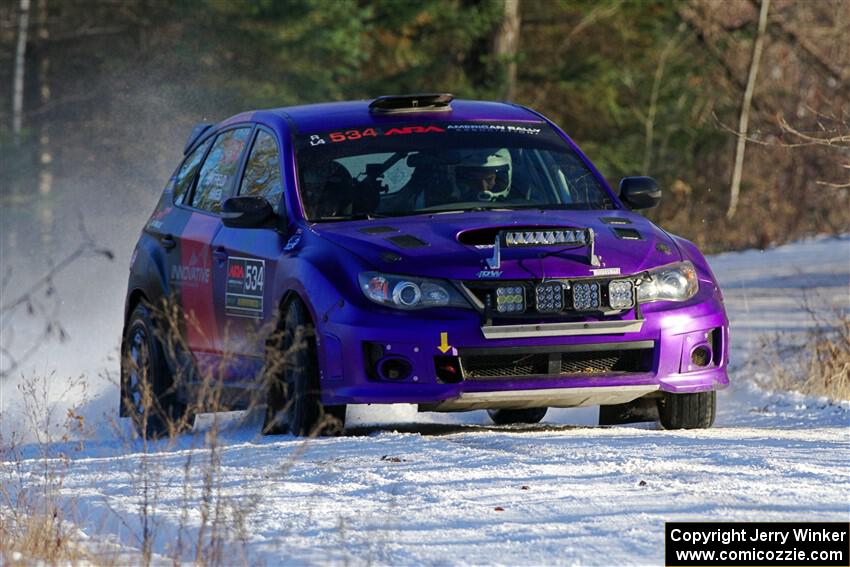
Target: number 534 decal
column 244, row 295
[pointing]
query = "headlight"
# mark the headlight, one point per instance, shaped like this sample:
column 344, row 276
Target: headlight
column 676, row 282
column 405, row 292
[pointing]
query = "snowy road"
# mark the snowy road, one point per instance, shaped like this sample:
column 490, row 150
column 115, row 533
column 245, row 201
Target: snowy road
column 564, row 492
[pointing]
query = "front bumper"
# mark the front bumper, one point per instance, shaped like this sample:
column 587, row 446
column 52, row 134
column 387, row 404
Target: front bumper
column 671, row 331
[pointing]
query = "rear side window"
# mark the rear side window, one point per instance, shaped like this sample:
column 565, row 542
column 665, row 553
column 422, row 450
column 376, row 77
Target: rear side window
column 219, row 169
column 262, row 172
column 186, row 174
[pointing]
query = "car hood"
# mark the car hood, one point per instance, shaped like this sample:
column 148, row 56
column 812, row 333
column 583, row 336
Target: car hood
column 456, row 245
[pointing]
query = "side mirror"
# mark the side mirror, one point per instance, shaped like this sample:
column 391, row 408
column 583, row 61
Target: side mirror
column 640, row 192
column 246, row 211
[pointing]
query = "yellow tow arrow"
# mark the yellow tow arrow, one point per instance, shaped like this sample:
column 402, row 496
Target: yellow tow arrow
column 444, row 343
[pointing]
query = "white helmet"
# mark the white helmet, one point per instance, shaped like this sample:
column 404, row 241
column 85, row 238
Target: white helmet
column 484, row 175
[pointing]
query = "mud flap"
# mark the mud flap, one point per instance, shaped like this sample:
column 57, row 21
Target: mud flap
column 637, row 411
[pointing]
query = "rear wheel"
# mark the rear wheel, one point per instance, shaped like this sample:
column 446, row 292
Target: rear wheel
column 292, row 376
column 148, row 396
column 512, row 416
column 687, row 411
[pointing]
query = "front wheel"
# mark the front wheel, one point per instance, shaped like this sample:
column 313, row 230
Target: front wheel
column 292, row 376
column 513, row 416
column 687, row 411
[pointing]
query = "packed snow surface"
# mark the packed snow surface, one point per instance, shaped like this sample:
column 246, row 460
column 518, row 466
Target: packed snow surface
column 403, row 488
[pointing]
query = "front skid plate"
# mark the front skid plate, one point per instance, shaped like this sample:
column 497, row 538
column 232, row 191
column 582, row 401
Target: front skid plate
column 547, row 397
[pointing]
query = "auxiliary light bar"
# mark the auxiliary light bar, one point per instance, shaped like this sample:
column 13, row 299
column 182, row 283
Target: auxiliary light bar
column 552, row 237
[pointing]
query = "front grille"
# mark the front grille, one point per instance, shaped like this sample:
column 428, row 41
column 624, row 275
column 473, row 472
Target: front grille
column 587, row 360
column 504, row 366
column 601, row 362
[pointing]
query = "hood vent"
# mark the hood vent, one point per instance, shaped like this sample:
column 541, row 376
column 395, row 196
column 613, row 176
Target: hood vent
column 615, row 220
column 378, row 229
column 627, row 234
column 407, row 241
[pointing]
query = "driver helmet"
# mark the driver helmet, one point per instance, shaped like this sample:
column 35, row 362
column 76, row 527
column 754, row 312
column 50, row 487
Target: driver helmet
column 484, row 175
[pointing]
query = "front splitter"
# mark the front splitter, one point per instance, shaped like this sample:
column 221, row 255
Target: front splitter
column 548, row 397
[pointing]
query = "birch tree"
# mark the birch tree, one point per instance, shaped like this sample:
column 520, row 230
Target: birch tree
column 20, row 68
column 743, row 122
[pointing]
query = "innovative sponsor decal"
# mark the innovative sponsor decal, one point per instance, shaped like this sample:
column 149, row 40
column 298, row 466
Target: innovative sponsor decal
column 244, row 289
column 191, row 274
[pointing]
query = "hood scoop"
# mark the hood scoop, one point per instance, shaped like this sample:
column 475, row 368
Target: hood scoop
column 525, row 237
column 514, row 235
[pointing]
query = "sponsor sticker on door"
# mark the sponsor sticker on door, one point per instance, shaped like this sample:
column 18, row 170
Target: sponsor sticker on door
column 245, row 277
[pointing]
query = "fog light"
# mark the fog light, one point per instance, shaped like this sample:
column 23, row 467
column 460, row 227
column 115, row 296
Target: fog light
column 394, row 368
column 586, row 296
column 621, row 294
column 549, row 297
column 510, row 299
column 701, row 356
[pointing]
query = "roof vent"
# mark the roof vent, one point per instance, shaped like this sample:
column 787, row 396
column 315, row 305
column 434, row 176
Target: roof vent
column 412, row 103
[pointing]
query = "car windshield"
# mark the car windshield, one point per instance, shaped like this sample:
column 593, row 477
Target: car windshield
column 408, row 169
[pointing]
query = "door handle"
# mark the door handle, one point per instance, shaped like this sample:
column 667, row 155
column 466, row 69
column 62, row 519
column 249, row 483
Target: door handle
column 168, row 242
column 220, row 254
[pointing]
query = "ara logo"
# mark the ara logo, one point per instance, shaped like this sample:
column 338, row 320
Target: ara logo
column 236, row 271
column 489, row 274
column 413, row 130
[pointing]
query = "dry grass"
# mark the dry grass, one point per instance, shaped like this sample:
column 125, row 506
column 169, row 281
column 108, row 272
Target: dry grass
column 820, row 366
column 42, row 537
column 38, row 519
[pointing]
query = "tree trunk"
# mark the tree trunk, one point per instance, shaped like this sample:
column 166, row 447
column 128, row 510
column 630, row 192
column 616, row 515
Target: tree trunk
column 506, row 46
column 649, row 123
column 45, row 153
column 18, row 76
column 743, row 123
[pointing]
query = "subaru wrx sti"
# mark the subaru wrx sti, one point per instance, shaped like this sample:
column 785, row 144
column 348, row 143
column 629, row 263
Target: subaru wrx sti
column 453, row 254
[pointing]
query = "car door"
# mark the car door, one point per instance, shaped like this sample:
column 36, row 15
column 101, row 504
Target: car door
column 247, row 261
column 192, row 273
column 166, row 228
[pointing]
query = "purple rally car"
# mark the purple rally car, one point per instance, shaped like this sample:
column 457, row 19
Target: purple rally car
column 453, row 254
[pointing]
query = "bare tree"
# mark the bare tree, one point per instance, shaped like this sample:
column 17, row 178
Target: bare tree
column 20, row 67
column 506, row 45
column 744, row 121
column 649, row 122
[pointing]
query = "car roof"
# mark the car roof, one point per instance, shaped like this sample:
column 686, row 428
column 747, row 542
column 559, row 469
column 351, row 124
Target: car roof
column 322, row 117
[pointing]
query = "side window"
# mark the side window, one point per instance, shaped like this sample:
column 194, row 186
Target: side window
column 262, row 172
column 219, row 169
column 186, row 174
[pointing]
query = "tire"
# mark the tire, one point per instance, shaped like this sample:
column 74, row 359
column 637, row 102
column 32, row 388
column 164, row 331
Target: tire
column 687, row 411
column 148, row 397
column 513, row 416
column 293, row 403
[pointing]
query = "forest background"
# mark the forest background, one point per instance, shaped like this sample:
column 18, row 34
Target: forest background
column 740, row 108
